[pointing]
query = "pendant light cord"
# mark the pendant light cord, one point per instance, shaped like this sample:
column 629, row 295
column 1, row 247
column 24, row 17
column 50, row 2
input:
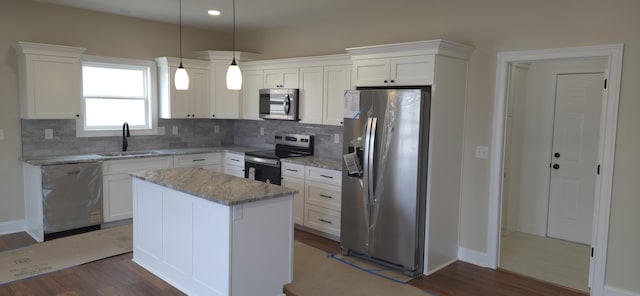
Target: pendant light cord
column 234, row 31
column 180, row 10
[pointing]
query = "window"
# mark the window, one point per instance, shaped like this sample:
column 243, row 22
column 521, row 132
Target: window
column 115, row 91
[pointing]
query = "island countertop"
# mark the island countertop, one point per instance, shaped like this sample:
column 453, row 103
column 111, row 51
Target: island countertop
column 216, row 187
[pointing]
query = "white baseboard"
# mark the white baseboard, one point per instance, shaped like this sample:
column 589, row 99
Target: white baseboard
column 472, row 256
column 12, row 226
column 611, row 291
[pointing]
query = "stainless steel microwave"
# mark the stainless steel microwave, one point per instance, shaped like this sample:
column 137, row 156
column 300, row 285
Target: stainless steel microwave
column 279, row 103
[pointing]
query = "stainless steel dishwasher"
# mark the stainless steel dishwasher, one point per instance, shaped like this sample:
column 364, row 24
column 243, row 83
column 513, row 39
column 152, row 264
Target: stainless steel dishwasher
column 72, row 198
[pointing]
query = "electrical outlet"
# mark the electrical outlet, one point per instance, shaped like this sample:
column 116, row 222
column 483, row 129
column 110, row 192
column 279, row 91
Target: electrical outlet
column 336, row 138
column 174, row 130
column 1, row 134
column 216, row 129
column 262, row 131
column 482, row 152
column 161, row 130
column 48, row 133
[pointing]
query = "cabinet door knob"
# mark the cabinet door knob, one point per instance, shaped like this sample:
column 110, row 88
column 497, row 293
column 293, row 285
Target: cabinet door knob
column 213, row 115
column 78, row 115
column 392, row 81
column 386, row 81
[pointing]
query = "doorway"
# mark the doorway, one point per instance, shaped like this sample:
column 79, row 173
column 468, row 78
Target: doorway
column 552, row 123
column 612, row 54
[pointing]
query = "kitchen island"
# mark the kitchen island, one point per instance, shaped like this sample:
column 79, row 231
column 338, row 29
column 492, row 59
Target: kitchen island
column 208, row 233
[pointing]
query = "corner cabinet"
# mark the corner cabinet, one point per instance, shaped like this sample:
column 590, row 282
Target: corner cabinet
column 224, row 103
column 191, row 103
column 50, row 78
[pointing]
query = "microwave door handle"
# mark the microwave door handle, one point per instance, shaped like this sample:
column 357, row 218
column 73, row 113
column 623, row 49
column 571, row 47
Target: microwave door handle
column 286, row 103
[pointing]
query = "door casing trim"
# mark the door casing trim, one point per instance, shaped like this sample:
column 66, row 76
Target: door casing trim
column 606, row 147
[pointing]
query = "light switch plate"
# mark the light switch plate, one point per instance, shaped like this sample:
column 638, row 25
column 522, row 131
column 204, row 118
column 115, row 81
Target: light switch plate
column 336, row 138
column 482, row 152
column 161, row 130
column 262, row 131
column 174, row 130
column 216, row 129
column 48, row 133
column 1, row 134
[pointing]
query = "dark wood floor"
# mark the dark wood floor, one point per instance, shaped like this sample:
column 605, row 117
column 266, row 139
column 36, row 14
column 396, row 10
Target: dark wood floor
column 118, row 275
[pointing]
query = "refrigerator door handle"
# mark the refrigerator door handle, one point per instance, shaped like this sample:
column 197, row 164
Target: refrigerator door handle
column 367, row 152
column 372, row 155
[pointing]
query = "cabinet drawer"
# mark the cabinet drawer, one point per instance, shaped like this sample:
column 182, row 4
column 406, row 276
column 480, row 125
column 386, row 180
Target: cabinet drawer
column 136, row 164
column 322, row 219
column 191, row 160
column 232, row 159
column 234, row 171
column 293, row 170
column 324, row 176
column 323, row 195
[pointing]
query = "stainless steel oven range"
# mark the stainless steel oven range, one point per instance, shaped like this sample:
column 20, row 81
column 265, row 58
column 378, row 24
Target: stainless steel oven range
column 265, row 165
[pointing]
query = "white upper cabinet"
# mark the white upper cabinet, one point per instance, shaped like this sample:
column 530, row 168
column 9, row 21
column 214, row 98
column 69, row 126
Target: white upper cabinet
column 225, row 103
column 50, row 78
column 402, row 64
column 191, row 103
column 281, row 78
column 400, row 71
column 311, row 94
column 337, row 79
column 251, row 85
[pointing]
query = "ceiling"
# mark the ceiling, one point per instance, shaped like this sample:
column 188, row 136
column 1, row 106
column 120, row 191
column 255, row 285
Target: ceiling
column 250, row 14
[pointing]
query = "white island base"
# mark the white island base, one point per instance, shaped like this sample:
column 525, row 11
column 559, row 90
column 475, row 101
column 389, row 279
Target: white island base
column 206, row 248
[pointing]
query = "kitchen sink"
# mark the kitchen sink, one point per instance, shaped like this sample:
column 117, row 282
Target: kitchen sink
column 125, row 153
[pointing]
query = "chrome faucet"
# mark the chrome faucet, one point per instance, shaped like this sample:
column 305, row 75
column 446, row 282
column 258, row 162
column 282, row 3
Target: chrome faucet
column 125, row 135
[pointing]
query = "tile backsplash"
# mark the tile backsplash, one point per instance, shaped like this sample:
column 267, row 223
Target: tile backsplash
column 192, row 133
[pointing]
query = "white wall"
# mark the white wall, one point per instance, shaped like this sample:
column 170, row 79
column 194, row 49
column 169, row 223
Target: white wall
column 513, row 148
column 537, row 138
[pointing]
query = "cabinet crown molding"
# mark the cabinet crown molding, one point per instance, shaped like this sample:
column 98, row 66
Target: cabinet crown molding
column 23, row 47
column 171, row 61
column 437, row 46
column 227, row 55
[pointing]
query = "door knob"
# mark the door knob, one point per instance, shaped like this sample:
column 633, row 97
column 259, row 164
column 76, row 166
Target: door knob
column 556, row 155
column 556, row 166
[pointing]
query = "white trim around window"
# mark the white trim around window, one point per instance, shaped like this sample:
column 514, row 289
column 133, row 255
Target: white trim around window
column 150, row 98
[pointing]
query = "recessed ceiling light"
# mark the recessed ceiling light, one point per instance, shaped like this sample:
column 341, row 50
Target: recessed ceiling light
column 214, row 12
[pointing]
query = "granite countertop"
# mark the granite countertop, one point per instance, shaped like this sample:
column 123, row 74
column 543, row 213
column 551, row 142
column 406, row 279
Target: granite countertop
column 314, row 161
column 216, row 187
column 66, row 159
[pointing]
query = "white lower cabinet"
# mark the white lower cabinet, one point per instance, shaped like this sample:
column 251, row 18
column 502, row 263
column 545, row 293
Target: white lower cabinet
column 209, row 161
column 116, row 184
column 234, row 164
column 317, row 204
column 298, row 199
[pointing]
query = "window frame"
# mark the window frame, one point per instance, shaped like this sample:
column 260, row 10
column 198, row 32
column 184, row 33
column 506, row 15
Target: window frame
column 151, row 101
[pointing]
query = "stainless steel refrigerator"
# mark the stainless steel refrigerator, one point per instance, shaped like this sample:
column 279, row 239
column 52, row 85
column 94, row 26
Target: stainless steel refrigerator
column 384, row 176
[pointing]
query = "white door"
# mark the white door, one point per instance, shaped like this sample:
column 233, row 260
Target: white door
column 574, row 156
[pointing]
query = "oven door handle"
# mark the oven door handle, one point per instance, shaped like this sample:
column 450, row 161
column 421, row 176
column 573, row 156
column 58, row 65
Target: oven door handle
column 262, row 161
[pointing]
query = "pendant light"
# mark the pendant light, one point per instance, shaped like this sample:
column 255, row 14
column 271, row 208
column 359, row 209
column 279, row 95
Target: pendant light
column 181, row 79
column 234, row 76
